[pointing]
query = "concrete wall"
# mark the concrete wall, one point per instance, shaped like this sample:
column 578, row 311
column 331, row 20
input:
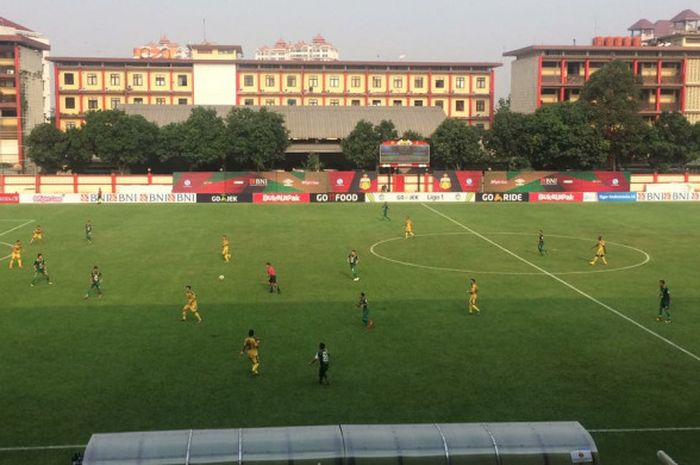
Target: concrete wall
column 215, row 84
column 31, row 63
column 523, row 84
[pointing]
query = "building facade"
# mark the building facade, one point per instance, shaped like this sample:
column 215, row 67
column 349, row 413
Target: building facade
column 462, row 90
column 24, row 91
column 318, row 50
column 665, row 55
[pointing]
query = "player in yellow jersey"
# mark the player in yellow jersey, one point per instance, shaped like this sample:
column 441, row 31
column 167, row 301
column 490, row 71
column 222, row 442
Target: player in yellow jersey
column 37, row 235
column 473, row 295
column 600, row 251
column 190, row 305
column 226, row 248
column 16, row 254
column 250, row 346
column 408, row 228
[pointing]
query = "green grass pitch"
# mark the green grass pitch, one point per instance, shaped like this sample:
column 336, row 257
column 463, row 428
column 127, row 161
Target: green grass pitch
column 539, row 350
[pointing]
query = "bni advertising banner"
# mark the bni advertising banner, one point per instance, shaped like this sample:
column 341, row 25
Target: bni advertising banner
column 556, row 181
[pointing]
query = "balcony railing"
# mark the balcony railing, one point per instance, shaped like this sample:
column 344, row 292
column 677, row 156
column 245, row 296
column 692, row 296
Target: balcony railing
column 671, row 80
column 673, row 106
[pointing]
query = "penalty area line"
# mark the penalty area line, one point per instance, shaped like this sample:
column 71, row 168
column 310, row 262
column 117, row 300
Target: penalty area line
column 565, row 283
column 16, row 228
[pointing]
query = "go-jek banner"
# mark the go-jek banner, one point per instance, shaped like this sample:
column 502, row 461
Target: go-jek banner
column 556, row 181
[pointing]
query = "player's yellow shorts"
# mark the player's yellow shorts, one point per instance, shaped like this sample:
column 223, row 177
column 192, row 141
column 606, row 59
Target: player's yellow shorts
column 190, row 307
column 472, row 300
column 253, row 356
column 36, row 236
column 225, row 251
column 15, row 256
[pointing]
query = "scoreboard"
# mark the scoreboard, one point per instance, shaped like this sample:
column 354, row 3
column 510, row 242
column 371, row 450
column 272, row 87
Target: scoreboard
column 404, row 153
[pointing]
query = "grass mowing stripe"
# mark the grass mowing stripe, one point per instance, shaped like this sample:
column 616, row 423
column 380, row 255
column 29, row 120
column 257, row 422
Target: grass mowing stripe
column 565, row 283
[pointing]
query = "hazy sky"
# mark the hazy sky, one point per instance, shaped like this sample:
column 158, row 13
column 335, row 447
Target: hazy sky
column 360, row 29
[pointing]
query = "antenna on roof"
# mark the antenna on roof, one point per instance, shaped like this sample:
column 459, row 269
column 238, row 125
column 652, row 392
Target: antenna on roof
column 204, row 29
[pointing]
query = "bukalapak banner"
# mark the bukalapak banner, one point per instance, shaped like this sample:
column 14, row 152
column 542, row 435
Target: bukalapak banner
column 556, row 181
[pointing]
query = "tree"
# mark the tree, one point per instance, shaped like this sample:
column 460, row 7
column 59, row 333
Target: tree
column 42, row 145
column 196, row 142
column 412, row 135
column 671, row 142
column 254, row 138
column 456, row 145
column 361, row 146
column 611, row 96
column 386, row 131
column 562, row 138
column 508, row 140
column 75, row 150
column 121, row 139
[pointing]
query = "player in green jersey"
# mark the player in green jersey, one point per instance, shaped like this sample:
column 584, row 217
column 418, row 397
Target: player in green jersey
column 40, row 270
column 95, row 282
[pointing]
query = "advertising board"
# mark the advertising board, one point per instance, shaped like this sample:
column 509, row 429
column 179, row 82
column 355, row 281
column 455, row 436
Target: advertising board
column 392, row 197
column 338, row 197
column 617, row 196
column 502, row 197
column 556, row 181
column 225, row 198
column 292, row 197
column 556, row 197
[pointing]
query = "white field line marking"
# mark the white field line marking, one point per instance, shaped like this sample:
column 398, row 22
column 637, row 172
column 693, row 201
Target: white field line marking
column 565, row 283
column 643, row 430
column 9, row 231
column 374, row 252
column 18, row 449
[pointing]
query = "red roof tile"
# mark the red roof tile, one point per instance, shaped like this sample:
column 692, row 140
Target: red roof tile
column 7, row 23
column 642, row 24
column 685, row 15
column 663, row 27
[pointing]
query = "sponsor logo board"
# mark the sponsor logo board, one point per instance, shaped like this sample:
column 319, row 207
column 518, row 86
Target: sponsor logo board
column 550, row 197
column 225, row 198
column 9, row 198
column 338, row 197
column 291, row 197
column 617, row 196
column 392, row 197
column 140, row 198
column 502, row 197
column 668, row 196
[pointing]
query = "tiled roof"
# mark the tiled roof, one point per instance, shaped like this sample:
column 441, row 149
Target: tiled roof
column 7, row 23
column 642, row 24
column 685, row 15
column 304, row 123
column 663, row 27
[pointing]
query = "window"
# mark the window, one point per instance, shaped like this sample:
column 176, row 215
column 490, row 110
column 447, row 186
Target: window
column 114, row 79
column 334, row 81
column 291, row 81
column 355, row 103
column 138, row 100
column 182, row 80
column 376, row 103
column 269, row 80
column 114, row 103
column 248, row 80
column 418, row 103
column 376, row 81
column 459, row 105
column 481, row 83
column 439, row 83
column 355, row 82
column 439, row 103
column 313, row 102
column 92, row 104
column 397, row 103
column 269, row 102
column 92, row 79
column 335, row 102
column 69, row 79
column 398, row 83
column 480, row 125
column 182, row 101
column 459, row 83
column 418, row 83
column 480, row 105
column 137, row 79
column 70, row 102
column 160, row 81
column 248, row 102
column 313, row 82
column 291, row 102
column 160, row 101
column 70, row 125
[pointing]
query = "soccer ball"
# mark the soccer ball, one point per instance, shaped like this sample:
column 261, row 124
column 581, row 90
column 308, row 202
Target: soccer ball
column 221, row 277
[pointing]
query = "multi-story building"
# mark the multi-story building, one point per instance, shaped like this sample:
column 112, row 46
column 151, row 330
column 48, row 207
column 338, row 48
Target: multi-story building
column 24, row 91
column 318, row 50
column 164, row 48
column 462, row 90
column 669, row 72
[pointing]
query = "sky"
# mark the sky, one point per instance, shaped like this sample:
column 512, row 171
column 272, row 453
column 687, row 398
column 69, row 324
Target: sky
column 426, row 30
